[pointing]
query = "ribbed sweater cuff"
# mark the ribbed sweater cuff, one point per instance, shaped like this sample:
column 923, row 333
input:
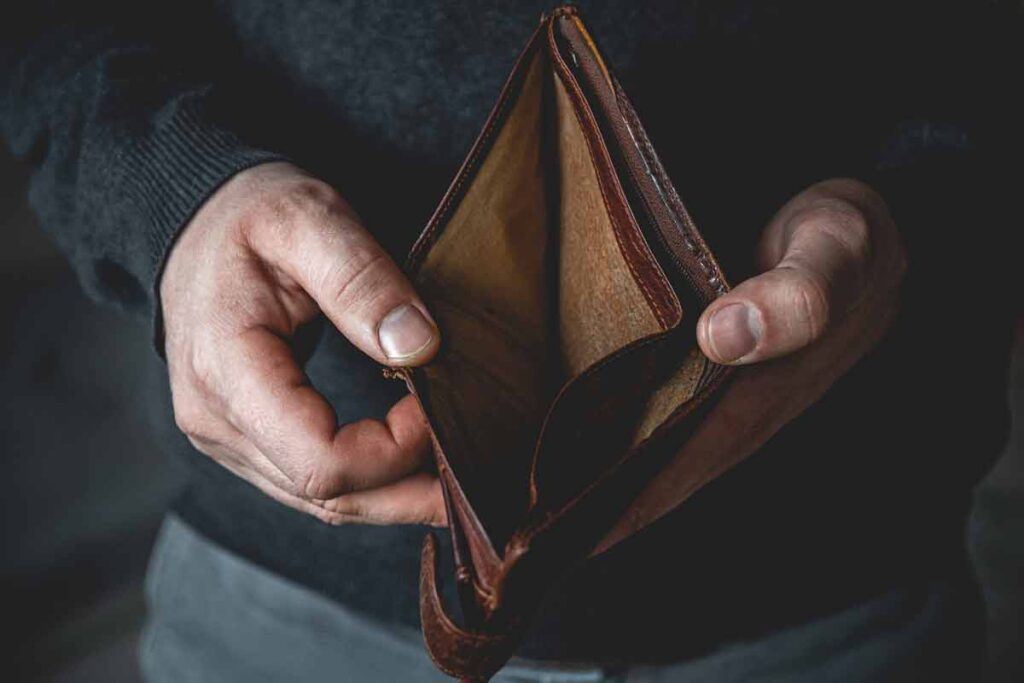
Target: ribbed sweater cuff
column 169, row 176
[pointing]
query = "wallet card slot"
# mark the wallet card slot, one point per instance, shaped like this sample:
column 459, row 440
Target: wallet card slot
column 481, row 441
column 594, row 418
column 680, row 387
column 483, row 267
column 487, row 396
column 659, row 213
column 610, row 291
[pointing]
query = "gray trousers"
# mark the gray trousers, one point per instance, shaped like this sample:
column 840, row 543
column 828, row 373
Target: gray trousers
column 214, row 616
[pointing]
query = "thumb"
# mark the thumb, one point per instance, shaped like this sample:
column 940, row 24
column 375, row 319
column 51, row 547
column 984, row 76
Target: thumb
column 323, row 246
column 820, row 252
column 775, row 313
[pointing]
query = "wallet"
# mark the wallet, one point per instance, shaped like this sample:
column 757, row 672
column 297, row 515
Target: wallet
column 566, row 278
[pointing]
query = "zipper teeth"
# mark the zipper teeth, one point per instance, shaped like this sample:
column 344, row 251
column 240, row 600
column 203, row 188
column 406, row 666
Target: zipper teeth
column 702, row 258
column 693, row 246
column 687, row 242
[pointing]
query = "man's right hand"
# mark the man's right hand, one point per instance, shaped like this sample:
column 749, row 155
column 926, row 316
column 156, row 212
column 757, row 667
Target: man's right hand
column 266, row 253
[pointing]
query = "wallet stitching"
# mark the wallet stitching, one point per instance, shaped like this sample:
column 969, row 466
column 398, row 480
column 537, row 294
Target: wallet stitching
column 442, row 620
column 647, row 150
column 470, row 170
column 462, row 502
column 679, row 215
column 484, row 143
column 445, row 622
column 458, row 496
column 456, row 635
column 583, row 105
column 616, row 230
column 578, row 111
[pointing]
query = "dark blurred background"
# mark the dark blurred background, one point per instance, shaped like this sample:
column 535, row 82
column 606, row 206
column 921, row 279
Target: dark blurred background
column 85, row 482
column 85, row 479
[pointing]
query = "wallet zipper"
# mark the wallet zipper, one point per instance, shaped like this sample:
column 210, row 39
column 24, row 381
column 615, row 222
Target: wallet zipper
column 704, row 279
column 685, row 259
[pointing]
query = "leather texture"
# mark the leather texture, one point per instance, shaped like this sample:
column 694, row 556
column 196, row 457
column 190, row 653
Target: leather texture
column 566, row 278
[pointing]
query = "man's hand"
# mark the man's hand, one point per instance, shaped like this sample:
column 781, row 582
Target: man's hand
column 266, row 253
column 827, row 251
column 832, row 263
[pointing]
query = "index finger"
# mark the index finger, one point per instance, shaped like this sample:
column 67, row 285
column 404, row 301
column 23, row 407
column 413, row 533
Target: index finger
column 273, row 404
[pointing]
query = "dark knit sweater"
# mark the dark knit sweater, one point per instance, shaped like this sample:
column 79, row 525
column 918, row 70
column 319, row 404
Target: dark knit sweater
column 132, row 114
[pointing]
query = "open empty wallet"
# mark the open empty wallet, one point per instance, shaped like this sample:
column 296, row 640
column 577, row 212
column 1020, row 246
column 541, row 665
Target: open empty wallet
column 566, row 278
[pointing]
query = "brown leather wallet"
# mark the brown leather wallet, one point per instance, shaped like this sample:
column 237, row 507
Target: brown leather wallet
column 566, row 278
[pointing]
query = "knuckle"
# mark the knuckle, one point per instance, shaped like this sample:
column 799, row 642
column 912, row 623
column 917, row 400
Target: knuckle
column 321, row 483
column 183, row 421
column 287, row 208
column 198, row 427
column 328, row 517
column 202, row 445
column 274, row 216
column 347, row 507
column 309, row 198
column 309, row 192
column 188, row 417
column 359, row 277
column 841, row 221
column 202, row 368
column 808, row 298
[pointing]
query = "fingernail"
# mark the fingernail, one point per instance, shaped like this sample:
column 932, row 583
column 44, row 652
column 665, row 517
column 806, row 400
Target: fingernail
column 734, row 331
column 404, row 332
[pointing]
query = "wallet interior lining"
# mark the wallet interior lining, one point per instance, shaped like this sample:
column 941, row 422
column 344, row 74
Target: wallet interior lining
column 601, row 306
column 529, row 287
column 487, row 282
column 676, row 390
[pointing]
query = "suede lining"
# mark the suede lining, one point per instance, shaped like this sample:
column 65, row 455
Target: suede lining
column 529, row 286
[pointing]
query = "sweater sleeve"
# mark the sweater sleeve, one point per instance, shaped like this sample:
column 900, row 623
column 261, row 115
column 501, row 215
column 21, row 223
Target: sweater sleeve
column 114, row 108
